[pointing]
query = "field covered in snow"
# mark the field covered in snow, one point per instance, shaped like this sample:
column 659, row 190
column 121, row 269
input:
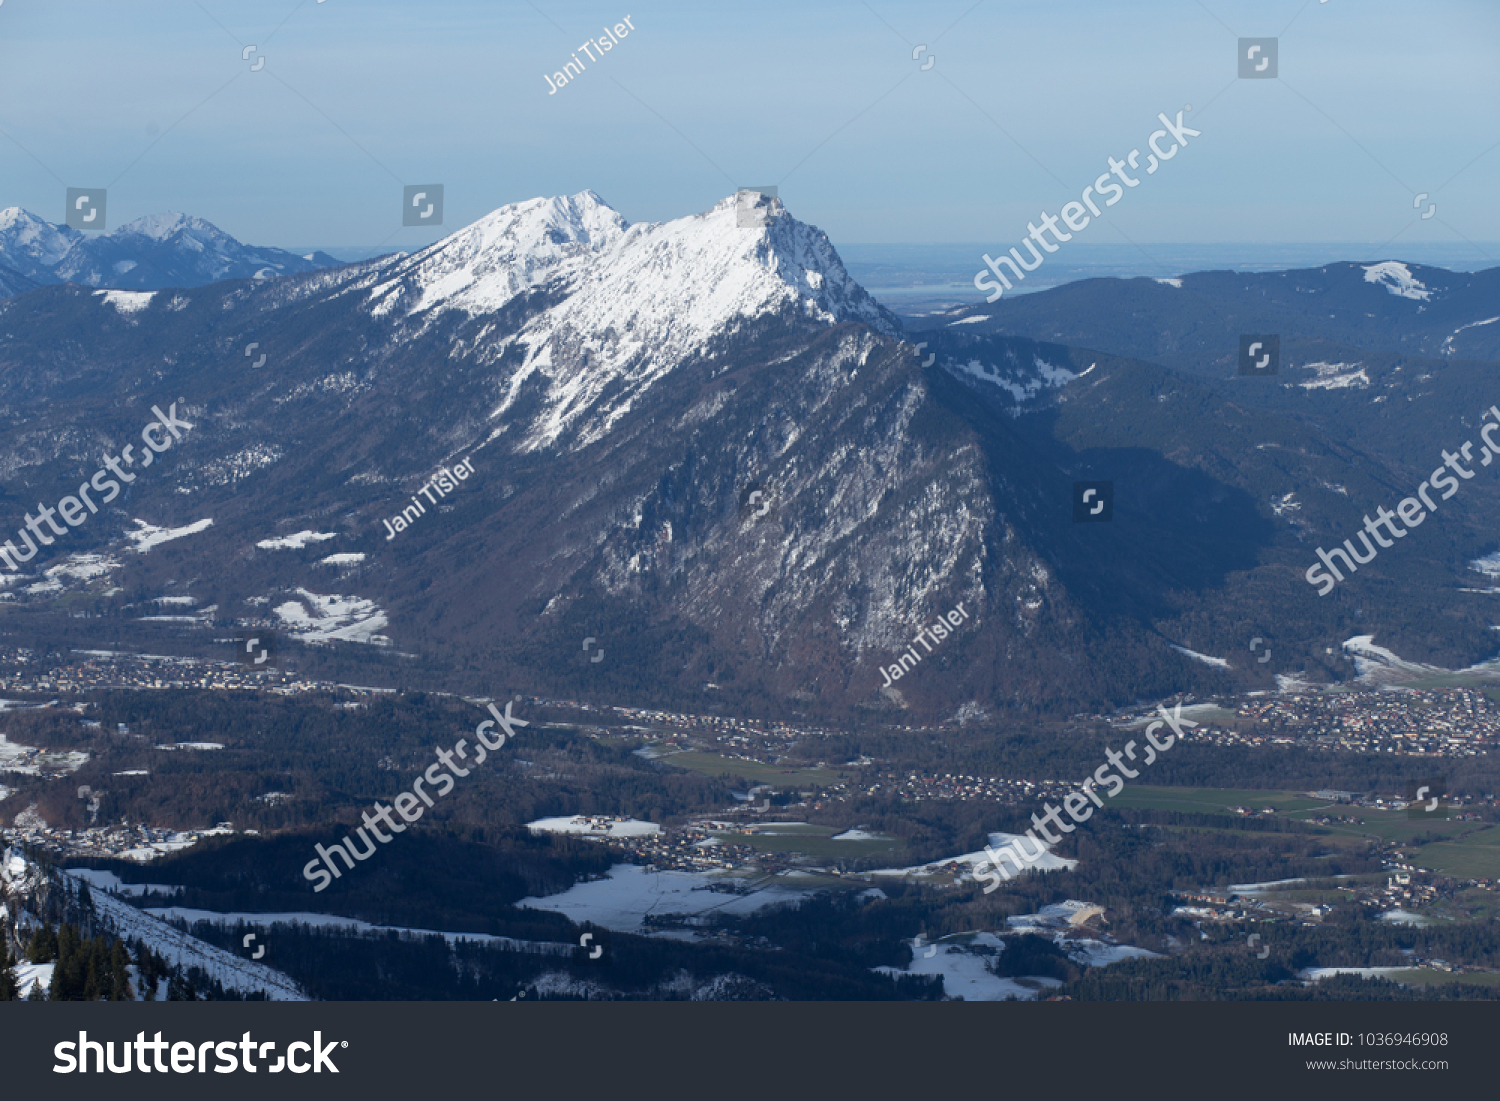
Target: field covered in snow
column 594, row 826
column 629, row 894
column 1044, row 863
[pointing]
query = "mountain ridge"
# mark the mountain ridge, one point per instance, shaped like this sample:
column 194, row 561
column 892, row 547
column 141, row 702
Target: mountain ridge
column 151, row 253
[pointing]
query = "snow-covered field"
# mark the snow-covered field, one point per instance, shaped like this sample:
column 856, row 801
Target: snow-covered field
column 595, row 826
column 1095, row 953
column 30, row 761
column 1261, row 888
column 1404, row 917
column 962, row 957
column 1044, row 863
column 317, row 618
column 629, row 894
column 83, row 567
column 964, row 972
column 151, row 850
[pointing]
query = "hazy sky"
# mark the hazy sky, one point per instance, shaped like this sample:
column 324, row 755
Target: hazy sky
column 1376, row 100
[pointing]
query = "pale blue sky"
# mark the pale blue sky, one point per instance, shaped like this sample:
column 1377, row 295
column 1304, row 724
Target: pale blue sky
column 1377, row 100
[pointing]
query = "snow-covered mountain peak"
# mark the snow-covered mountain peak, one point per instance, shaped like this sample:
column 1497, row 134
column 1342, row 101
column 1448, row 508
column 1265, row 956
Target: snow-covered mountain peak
column 663, row 292
column 510, row 250
column 30, row 244
column 163, row 227
column 744, row 258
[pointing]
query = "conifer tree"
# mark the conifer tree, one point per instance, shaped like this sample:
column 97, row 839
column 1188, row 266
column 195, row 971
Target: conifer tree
column 119, row 986
column 10, row 989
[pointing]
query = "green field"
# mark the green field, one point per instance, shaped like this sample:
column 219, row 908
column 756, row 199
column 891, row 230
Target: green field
column 1424, row 976
column 1479, row 678
column 1475, row 857
column 1212, row 800
column 754, row 772
column 816, row 841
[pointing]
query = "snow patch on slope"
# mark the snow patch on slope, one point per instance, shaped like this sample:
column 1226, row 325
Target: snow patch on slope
column 1221, row 663
column 148, row 535
column 1020, row 385
column 177, row 947
column 1336, row 376
column 316, row 618
column 1397, row 278
column 127, row 302
column 1447, row 347
column 295, row 542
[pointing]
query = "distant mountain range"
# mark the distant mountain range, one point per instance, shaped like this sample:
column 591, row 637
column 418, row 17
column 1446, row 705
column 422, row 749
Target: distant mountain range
column 701, row 445
column 150, row 253
column 1193, row 322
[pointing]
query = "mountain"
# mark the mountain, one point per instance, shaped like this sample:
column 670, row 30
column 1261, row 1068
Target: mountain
column 1189, row 321
column 150, row 253
column 631, row 304
column 32, row 246
column 703, row 446
column 173, row 250
column 1392, row 351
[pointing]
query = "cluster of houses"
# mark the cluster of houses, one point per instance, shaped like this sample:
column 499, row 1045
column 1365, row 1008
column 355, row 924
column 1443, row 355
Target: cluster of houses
column 139, row 843
column 692, row 847
column 1406, row 890
column 1443, row 722
column 21, row 671
column 915, row 787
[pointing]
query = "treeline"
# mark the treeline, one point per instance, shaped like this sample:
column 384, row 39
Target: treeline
column 465, row 881
column 1352, row 937
column 335, row 965
column 1241, row 977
